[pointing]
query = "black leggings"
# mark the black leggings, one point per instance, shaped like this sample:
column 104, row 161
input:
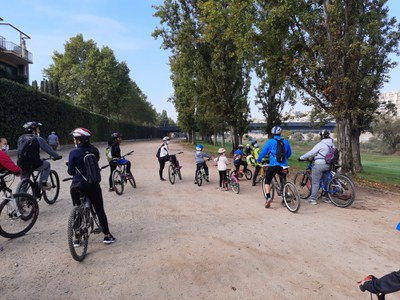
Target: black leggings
column 222, row 178
column 93, row 191
column 241, row 163
column 113, row 165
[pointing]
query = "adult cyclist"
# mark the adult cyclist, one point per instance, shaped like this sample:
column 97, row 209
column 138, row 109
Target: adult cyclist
column 116, row 139
column 29, row 145
column 80, row 187
column 274, row 167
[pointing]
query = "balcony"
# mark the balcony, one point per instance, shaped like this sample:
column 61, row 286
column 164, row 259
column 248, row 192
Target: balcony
column 14, row 53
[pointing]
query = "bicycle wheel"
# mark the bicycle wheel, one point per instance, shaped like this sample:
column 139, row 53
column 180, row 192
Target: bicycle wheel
column 171, row 174
column 302, row 181
column 117, row 182
column 235, row 186
column 291, row 197
column 13, row 226
column 248, row 174
column 77, row 231
column 26, row 186
column 341, row 191
column 51, row 196
column 260, row 176
column 132, row 181
column 199, row 178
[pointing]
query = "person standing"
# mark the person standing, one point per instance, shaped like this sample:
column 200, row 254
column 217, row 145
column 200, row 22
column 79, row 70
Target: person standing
column 320, row 167
column 81, row 186
column 53, row 141
column 222, row 164
column 163, row 156
column 114, row 144
column 277, row 159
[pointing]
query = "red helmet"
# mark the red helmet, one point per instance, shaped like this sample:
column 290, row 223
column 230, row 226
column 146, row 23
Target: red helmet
column 82, row 133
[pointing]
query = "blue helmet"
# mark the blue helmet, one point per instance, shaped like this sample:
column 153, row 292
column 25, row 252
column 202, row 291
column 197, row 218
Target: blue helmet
column 199, row 147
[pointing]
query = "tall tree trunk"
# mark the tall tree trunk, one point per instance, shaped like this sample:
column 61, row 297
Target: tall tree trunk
column 355, row 146
column 235, row 138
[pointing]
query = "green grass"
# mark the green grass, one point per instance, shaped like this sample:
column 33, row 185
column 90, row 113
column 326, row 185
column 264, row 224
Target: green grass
column 383, row 170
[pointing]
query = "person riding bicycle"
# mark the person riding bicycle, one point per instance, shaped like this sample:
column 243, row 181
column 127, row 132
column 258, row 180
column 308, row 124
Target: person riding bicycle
column 116, row 139
column 200, row 162
column 222, row 164
column 248, row 150
column 387, row 284
column 29, row 146
column 318, row 152
column 257, row 166
column 5, row 161
column 238, row 159
column 164, row 156
column 275, row 166
column 80, row 186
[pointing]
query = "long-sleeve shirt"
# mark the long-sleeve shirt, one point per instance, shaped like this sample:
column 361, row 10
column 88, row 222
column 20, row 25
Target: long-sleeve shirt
column 7, row 163
column 199, row 156
column 389, row 283
column 319, row 151
column 270, row 148
column 75, row 161
column 222, row 162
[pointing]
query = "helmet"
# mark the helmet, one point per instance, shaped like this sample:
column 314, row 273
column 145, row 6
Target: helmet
column 247, row 145
column 199, row 147
column 31, row 126
column 221, row 150
column 240, row 146
column 116, row 135
column 276, row 130
column 324, row 134
column 81, row 133
column 253, row 142
column 256, row 145
column 166, row 138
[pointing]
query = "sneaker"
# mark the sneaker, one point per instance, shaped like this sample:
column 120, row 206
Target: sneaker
column 77, row 243
column 46, row 186
column 111, row 189
column 268, row 203
column 129, row 176
column 311, row 201
column 253, row 184
column 219, row 189
column 109, row 239
column 162, row 179
column 195, row 182
column 326, row 199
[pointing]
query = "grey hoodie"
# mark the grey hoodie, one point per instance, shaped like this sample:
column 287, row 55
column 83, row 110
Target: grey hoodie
column 319, row 151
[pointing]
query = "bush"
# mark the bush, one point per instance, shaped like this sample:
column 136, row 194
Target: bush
column 297, row 136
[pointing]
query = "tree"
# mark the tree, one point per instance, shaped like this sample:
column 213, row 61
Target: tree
column 340, row 57
column 387, row 130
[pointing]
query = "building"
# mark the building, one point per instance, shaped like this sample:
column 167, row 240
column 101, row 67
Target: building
column 14, row 58
column 391, row 97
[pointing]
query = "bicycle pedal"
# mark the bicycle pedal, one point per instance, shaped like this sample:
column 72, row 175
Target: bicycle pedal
column 96, row 231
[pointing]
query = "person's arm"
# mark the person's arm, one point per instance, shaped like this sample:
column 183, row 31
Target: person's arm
column 46, row 148
column 312, row 152
column 389, row 283
column 7, row 163
column 71, row 164
column 265, row 150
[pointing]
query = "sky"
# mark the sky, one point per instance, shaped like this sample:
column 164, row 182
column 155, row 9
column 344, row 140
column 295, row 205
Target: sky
column 123, row 25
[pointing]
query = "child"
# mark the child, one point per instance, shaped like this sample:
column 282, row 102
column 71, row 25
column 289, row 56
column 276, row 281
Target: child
column 222, row 162
column 200, row 162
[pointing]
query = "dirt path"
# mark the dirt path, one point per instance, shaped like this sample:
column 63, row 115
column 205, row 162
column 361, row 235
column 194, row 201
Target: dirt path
column 182, row 241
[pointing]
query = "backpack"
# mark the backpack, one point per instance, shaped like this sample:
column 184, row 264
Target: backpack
column 92, row 168
column 280, row 151
column 108, row 153
column 158, row 152
column 28, row 153
column 332, row 157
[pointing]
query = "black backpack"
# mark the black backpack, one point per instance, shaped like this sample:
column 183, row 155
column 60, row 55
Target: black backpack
column 280, row 151
column 28, row 157
column 92, row 174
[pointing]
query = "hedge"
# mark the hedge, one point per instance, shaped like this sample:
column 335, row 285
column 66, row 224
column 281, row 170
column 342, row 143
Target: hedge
column 20, row 104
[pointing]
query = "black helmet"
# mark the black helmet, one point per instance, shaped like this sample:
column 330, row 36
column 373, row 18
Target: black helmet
column 116, row 135
column 324, row 134
column 31, row 126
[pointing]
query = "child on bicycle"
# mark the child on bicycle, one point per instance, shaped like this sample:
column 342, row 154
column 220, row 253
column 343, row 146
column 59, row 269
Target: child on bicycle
column 200, row 162
column 238, row 161
column 5, row 161
column 222, row 163
column 116, row 139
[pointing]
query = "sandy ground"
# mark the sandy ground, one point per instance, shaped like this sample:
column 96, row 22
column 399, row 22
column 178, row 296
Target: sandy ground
column 182, row 241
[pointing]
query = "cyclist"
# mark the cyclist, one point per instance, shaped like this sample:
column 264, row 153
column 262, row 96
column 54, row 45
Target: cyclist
column 238, row 161
column 248, row 150
column 116, row 139
column 274, row 167
column 200, row 162
column 387, row 284
column 164, row 156
column 257, row 167
column 5, row 161
column 320, row 167
column 29, row 146
column 79, row 186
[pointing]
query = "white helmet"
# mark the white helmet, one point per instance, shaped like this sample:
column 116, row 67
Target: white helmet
column 81, row 132
column 221, row 150
column 166, row 138
column 276, row 130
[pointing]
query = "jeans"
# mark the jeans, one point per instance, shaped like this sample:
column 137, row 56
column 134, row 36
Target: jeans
column 318, row 171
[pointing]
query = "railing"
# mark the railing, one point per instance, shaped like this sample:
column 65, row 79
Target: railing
column 14, row 48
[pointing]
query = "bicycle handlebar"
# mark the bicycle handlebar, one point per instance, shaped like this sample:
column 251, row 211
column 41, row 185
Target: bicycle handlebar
column 127, row 154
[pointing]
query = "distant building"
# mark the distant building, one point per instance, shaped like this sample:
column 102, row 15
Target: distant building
column 14, row 58
column 391, row 97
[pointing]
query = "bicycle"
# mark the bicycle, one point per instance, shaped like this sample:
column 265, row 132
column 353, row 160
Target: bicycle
column 201, row 174
column 338, row 187
column 284, row 188
column 248, row 174
column 18, row 212
column 32, row 186
column 231, row 182
column 174, row 169
column 119, row 177
column 82, row 222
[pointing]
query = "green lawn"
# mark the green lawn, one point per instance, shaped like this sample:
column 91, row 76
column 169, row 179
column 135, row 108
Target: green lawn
column 378, row 168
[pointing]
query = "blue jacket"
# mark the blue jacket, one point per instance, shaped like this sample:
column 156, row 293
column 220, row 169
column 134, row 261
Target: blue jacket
column 270, row 148
column 75, row 161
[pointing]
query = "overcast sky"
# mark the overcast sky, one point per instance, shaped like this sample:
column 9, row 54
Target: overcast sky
column 123, row 25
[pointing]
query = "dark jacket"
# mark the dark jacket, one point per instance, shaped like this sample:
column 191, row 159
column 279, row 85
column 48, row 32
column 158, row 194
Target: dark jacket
column 75, row 161
column 387, row 284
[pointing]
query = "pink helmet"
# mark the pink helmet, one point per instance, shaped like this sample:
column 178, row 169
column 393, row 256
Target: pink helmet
column 82, row 133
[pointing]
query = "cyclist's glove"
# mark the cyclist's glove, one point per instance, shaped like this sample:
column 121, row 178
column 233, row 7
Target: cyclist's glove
column 299, row 159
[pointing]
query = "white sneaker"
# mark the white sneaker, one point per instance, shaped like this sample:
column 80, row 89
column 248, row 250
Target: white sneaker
column 311, row 201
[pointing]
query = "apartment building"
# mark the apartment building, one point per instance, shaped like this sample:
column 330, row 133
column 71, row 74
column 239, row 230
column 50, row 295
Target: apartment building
column 390, row 97
column 14, row 58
